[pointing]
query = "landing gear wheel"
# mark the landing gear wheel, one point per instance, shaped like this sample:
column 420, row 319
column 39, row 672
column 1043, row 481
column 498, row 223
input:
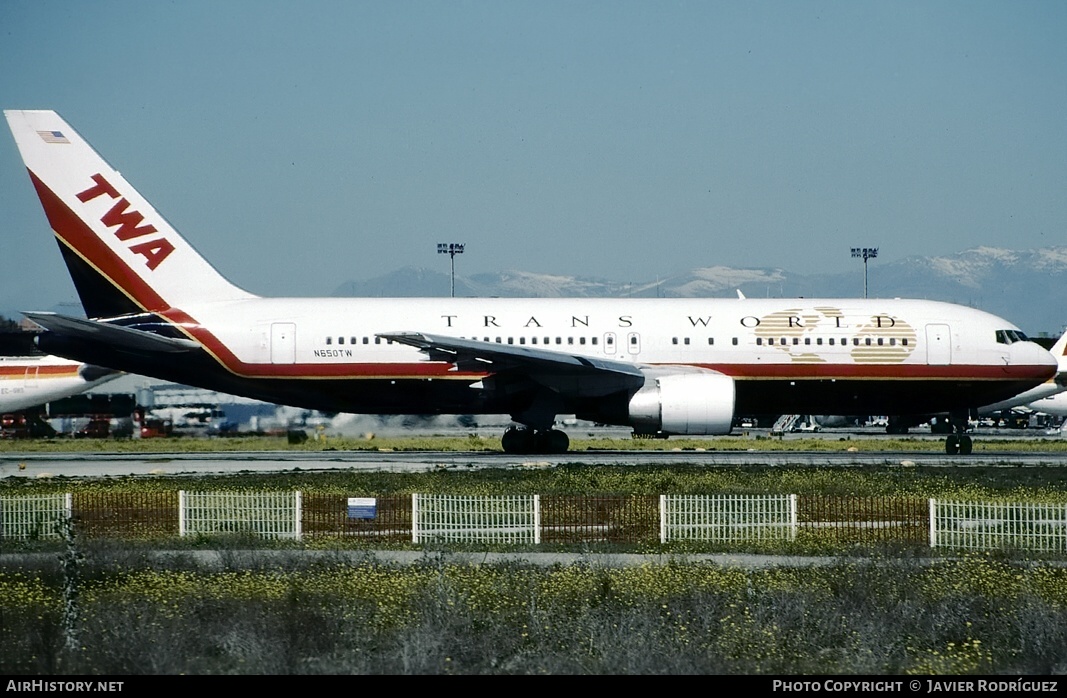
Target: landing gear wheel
column 952, row 444
column 523, row 440
column 965, row 445
column 516, row 440
column 555, row 441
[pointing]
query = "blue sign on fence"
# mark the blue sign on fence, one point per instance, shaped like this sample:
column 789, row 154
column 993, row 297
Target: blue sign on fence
column 362, row 507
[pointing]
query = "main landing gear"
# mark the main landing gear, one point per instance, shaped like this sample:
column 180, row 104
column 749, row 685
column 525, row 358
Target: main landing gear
column 958, row 442
column 525, row 440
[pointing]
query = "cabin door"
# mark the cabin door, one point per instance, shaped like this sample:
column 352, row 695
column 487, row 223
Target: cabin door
column 938, row 345
column 283, row 343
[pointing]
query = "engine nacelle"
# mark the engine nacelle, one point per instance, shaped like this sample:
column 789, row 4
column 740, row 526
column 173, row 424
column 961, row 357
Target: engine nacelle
column 684, row 402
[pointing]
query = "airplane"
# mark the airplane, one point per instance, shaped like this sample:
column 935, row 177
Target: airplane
column 1055, row 405
column 676, row 366
column 29, row 381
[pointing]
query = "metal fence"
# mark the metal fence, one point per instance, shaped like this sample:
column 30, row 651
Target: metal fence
column 859, row 520
column 266, row 514
column 544, row 519
column 451, row 518
column 991, row 526
column 35, row 516
column 722, row 518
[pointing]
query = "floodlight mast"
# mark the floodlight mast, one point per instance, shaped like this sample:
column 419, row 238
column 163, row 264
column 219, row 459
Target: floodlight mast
column 451, row 249
column 866, row 253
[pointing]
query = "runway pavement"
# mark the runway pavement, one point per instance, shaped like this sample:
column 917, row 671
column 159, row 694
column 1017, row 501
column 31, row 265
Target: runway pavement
column 40, row 465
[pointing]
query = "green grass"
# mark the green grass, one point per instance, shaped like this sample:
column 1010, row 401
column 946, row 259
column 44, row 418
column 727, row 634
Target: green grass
column 474, row 442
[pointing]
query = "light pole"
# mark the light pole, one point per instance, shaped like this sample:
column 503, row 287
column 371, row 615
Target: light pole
column 451, row 249
column 866, row 253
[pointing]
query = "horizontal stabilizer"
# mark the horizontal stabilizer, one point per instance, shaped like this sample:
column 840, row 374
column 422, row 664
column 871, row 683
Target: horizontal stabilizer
column 113, row 335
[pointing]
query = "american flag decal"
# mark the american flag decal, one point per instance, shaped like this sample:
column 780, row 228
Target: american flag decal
column 52, row 137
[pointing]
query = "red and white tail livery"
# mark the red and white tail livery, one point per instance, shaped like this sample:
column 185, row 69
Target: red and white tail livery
column 662, row 366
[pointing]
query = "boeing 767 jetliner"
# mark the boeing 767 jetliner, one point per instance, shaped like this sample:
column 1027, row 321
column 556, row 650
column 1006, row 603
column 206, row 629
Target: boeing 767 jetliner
column 155, row 307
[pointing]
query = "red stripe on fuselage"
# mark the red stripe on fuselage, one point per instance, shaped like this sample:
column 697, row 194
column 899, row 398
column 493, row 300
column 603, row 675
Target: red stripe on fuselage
column 19, row 371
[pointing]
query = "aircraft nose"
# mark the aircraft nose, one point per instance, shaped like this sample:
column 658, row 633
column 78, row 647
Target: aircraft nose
column 1032, row 355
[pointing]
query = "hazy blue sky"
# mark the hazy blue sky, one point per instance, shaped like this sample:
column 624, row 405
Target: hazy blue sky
column 301, row 145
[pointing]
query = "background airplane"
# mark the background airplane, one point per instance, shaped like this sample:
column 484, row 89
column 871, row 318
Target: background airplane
column 155, row 307
column 30, row 381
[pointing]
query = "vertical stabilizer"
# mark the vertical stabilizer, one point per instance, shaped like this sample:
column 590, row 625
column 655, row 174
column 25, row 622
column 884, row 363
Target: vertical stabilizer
column 122, row 255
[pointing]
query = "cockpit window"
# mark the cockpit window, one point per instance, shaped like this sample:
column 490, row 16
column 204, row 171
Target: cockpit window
column 1011, row 336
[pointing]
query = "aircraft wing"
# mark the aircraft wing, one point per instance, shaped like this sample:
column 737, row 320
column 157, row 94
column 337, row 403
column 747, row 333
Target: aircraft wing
column 114, row 335
column 567, row 373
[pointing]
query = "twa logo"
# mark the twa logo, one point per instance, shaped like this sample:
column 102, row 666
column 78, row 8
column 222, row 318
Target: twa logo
column 129, row 223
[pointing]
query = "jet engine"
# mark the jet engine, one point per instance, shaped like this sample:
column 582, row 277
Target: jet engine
column 674, row 401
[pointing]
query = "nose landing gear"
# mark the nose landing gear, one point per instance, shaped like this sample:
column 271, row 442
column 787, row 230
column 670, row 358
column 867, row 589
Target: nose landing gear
column 958, row 442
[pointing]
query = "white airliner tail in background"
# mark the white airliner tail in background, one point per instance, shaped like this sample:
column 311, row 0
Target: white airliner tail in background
column 661, row 366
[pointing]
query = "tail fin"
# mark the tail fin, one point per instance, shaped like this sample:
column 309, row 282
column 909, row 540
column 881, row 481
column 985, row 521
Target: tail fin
column 123, row 256
column 1059, row 350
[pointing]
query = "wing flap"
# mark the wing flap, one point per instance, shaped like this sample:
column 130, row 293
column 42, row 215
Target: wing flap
column 566, row 373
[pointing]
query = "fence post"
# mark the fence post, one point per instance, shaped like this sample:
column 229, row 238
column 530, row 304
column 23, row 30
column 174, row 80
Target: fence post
column 792, row 517
column 537, row 519
column 933, row 522
column 181, row 513
column 299, row 516
column 663, row 518
column 414, row 517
